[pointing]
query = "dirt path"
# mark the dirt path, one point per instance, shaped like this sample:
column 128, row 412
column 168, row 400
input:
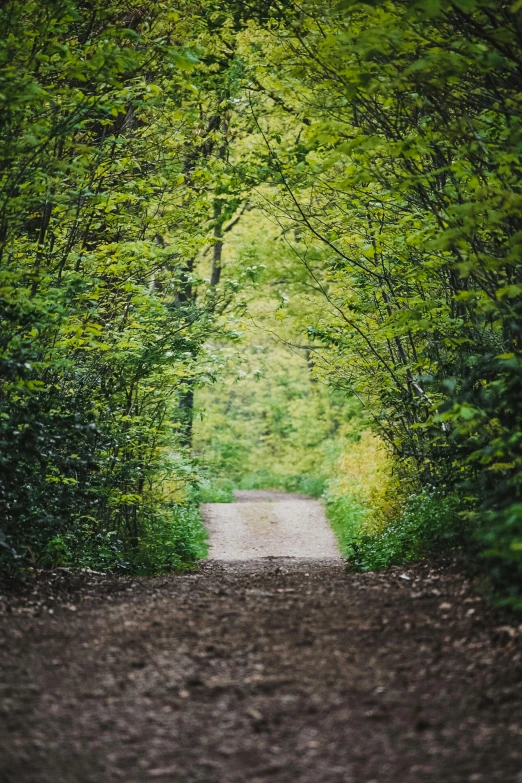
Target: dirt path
column 284, row 670
column 268, row 524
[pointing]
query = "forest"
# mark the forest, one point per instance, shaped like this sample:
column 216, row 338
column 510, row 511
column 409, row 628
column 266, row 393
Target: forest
column 261, row 244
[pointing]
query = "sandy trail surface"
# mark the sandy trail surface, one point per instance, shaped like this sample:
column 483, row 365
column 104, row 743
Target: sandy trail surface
column 268, row 524
column 270, row 670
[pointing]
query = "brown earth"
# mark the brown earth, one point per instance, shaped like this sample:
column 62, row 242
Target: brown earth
column 279, row 669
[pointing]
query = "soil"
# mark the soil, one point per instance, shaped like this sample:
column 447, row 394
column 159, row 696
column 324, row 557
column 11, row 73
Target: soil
column 274, row 669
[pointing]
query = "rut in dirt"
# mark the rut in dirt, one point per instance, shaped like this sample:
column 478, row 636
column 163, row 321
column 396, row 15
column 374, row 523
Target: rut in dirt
column 286, row 669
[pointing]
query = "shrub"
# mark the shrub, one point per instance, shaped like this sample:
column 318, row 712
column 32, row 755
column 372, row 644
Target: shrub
column 430, row 525
column 347, row 518
column 364, row 479
column 170, row 542
column 501, row 538
column 217, row 490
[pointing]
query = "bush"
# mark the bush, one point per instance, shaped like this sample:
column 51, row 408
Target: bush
column 500, row 536
column 364, row 480
column 218, row 490
column 363, row 497
column 346, row 516
column 430, row 525
column 172, row 541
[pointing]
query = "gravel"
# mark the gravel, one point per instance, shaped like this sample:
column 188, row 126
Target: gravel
column 268, row 524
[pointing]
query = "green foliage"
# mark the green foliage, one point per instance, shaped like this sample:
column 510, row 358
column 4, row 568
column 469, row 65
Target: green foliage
column 501, row 540
column 104, row 204
column 171, row 542
column 429, row 526
column 392, row 140
column 174, row 541
column 267, row 424
column 218, row 490
column 346, row 515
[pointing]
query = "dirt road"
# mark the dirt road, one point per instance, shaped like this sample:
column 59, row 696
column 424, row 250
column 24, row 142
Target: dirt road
column 268, row 524
column 287, row 670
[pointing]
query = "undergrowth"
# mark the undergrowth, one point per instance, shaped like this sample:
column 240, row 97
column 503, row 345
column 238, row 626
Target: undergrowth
column 172, row 541
column 429, row 525
column 216, row 490
column 221, row 490
column 310, row 485
column 378, row 523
